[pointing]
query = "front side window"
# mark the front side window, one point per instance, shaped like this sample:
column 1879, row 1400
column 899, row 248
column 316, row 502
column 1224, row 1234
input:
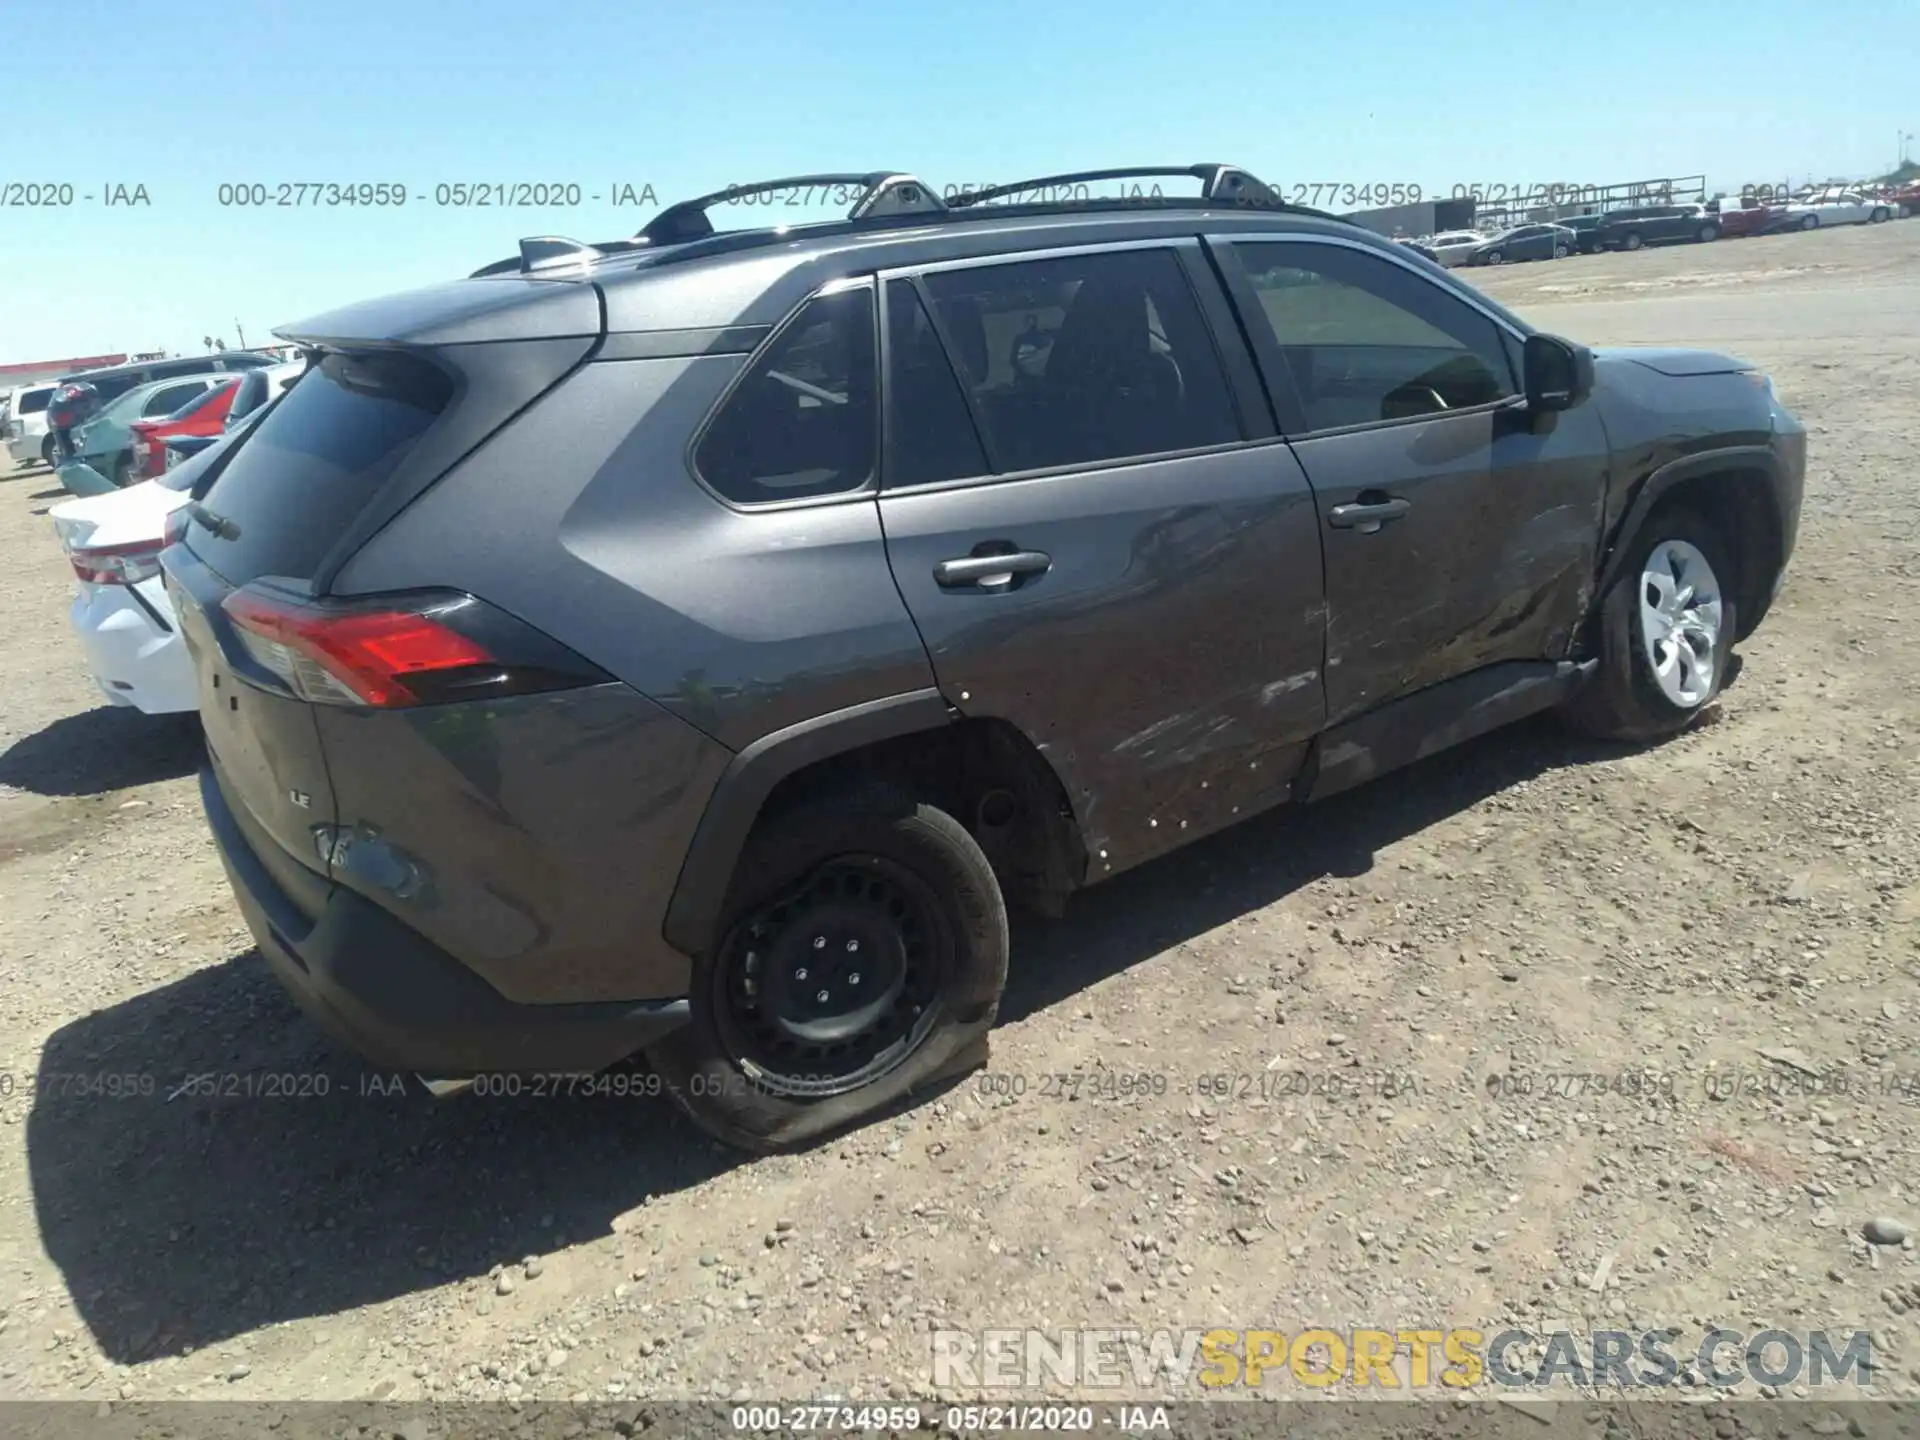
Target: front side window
column 801, row 420
column 33, row 402
column 1084, row 358
column 1365, row 340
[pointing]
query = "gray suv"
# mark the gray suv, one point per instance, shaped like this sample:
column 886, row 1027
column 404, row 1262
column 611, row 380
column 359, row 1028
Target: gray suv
column 690, row 644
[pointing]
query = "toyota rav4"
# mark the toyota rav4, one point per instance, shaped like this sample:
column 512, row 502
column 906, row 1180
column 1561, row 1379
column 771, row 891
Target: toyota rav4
column 688, row 645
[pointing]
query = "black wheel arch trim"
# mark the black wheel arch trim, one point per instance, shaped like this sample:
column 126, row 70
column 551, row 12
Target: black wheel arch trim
column 1662, row 482
column 743, row 788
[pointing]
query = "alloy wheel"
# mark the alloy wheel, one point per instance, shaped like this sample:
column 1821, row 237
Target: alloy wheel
column 1680, row 619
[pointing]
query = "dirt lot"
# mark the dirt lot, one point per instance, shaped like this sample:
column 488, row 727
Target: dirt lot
column 1729, row 910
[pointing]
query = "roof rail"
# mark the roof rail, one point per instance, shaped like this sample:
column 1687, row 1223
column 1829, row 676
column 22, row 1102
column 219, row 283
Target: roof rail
column 881, row 192
column 1217, row 182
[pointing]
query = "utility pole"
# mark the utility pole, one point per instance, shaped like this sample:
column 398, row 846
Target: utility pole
column 241, row 333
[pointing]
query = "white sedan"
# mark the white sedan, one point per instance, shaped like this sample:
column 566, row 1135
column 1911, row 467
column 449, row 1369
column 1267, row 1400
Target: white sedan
column 121, row 614
column 1452, row 247
column 1833, row 207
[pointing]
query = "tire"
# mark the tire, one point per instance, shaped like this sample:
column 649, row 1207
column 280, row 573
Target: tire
column 1632, row 240
column 122, row 472
column 1496, row 257
column 1625, row 698
column 1707, row 234
column 873, row 866
column 1877, row 216
column 1559, row 252
column 1809, row 222
column 46, row 452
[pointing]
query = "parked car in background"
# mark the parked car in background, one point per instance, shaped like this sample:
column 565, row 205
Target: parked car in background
column 1905, row 198
column 513, row 777
column 1631, row 228
column 1451, row 247
column 257, row 387
column 1418, row 247
column 1742, row 218
column 1525, row 242
column 121, row 611
column 25, row 430
column 206, row 415
column 1586, row 232
column 103, row 446
column 80, row 396
column 1834, row 207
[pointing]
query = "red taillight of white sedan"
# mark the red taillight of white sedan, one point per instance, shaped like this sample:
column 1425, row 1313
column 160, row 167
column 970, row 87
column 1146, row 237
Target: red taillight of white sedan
column 117, row 564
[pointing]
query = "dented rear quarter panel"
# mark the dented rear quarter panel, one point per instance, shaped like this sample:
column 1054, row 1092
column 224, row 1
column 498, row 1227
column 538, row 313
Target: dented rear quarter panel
column 537, row 838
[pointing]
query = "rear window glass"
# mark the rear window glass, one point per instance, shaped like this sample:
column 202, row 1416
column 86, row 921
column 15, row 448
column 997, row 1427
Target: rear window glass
column 33, row 402
column 315, row 461
column 113, row 387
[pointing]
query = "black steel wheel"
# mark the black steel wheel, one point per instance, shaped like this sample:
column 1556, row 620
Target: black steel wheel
column 834, row 980
column 861, row 958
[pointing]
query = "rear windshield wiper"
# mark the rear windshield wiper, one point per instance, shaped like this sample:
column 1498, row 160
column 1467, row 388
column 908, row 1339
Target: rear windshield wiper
column 221, row 527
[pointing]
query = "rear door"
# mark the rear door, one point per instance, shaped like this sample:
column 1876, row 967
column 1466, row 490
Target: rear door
column 279, row 502
column 1099, row 535
column 1456, row 536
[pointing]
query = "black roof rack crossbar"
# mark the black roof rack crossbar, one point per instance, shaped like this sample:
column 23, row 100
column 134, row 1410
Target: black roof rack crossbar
column 881, row 192
column 1217, row 182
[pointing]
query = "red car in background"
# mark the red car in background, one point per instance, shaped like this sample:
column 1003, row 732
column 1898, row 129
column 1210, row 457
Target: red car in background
column 1747, row 217
column 204, row 416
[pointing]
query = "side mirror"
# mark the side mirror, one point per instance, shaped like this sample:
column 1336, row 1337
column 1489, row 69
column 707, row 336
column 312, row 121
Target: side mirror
column 1559, row 373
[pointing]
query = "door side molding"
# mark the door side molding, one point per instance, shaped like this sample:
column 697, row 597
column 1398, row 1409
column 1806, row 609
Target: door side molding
column 750, row 778
column 1435, row 719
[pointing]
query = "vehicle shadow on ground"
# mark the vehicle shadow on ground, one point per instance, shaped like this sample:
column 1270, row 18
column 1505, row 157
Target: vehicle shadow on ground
column 181, row 1222
column 1112, row 927
column 98, row 751
column 59, row 492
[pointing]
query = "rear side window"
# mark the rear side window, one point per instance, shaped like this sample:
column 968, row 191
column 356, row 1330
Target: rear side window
column 1084, row 358
column 315, row 461
column 202, row 400
column 167, row 400
column 33, row 402
column 801, row 420
column 930, row 433
column 114, row 386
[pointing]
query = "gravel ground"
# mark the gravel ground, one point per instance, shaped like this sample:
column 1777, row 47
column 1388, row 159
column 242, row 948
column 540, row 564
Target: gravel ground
column 1699, row 929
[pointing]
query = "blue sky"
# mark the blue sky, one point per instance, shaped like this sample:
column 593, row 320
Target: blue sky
column 695, row 96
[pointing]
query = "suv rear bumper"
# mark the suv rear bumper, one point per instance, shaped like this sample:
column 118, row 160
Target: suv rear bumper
column 382, row 988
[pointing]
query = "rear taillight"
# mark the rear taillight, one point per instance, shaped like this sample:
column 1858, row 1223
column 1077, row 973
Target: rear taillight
column 117, row 564
column 400, row 650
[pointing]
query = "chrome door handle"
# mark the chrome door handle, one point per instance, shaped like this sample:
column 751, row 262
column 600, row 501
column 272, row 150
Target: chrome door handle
column 991, row 572
column 1367, row 516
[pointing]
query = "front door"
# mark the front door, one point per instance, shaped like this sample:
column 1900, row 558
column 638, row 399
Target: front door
column 1456, row 536
column 1101, row 540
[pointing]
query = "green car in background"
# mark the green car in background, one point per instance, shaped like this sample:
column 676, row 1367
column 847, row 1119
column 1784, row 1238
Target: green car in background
column 103, row 446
